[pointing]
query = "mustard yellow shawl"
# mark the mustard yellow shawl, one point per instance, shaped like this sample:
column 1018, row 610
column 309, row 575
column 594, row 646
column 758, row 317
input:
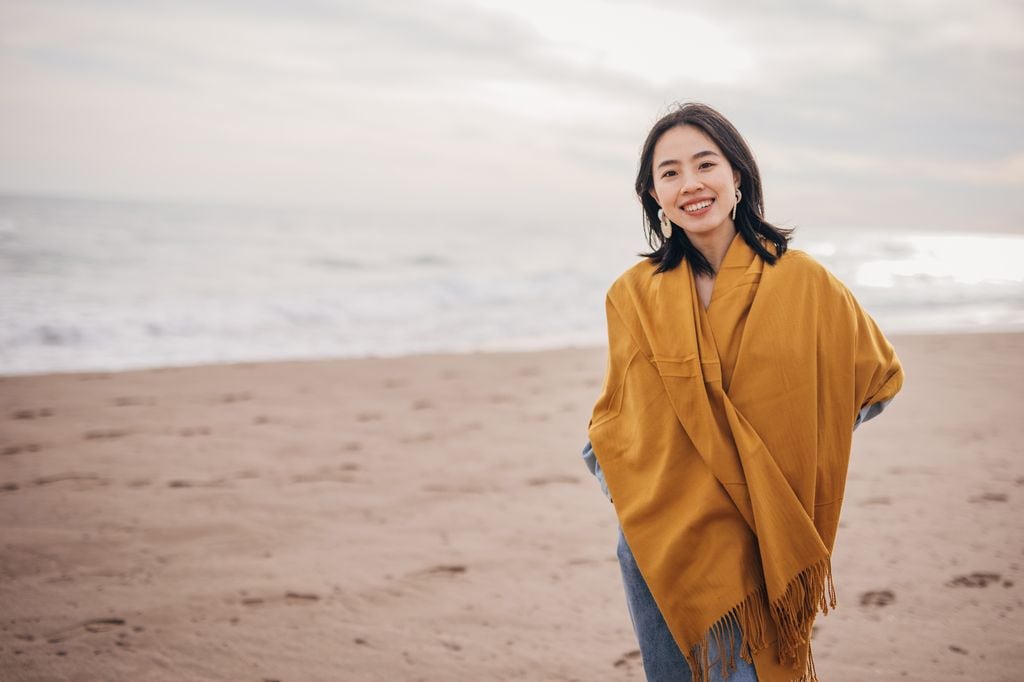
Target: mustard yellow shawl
column 724, row 436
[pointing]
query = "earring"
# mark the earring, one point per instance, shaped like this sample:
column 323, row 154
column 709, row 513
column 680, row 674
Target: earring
column 739, row 195
column 666, row 224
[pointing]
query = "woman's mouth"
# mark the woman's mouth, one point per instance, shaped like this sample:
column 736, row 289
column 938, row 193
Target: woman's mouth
column 698, row 207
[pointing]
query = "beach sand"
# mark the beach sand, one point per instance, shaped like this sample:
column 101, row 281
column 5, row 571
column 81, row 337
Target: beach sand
column 430, row 518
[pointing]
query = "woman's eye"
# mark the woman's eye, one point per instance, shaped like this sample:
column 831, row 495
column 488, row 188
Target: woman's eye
column 667, row 174
column 706, row 164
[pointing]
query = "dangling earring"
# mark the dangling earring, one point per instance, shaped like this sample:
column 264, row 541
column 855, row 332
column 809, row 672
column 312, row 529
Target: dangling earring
column 666, row 224
column 739, row 195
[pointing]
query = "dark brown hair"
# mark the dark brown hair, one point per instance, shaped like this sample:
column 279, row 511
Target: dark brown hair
column 750, row 222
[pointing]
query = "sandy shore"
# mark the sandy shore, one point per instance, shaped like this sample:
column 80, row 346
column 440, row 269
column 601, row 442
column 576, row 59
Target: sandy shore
column 429, row 518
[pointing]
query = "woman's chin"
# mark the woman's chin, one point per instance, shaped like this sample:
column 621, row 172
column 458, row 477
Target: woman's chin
column 705, row 230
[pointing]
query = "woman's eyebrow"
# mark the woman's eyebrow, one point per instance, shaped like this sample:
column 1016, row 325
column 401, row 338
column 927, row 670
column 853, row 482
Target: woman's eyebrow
column 698, row 155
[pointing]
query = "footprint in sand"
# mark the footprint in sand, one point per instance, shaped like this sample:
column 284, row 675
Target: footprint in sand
column 70, row 476
column 988, row 497
column 877, row 598
column 105, row 434
column 446, row 569
column 976, row 579
column 8, row 487
column 182, row 483
column 237, row 397
column 302, row 596
column 418, row 437
column 872, row 501
column 32, row 414
column 368, row 416
column 627, row 658
column 323, row 475
column 131, row 401
column 352, row 446
column 18, row 449
column 422, row 404
column 549, row 480
column 91, row 625
column 289, row 596
column 190, row 431
column 393, row 383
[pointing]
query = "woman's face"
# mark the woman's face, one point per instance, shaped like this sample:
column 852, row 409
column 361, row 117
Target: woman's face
column 693, row 181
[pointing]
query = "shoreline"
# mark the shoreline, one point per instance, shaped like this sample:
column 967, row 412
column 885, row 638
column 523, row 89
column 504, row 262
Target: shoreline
column 585, row 348
column 430, row 516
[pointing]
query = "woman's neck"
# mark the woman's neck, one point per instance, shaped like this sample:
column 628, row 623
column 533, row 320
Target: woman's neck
column 714, row 245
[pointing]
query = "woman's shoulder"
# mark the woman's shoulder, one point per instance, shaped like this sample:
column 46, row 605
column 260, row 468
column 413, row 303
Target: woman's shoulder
column 798, row 269
column 802, row 265
column 796, row 258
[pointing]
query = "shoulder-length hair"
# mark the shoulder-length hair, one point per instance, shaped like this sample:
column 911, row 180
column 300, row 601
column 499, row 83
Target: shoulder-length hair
column 750, row 222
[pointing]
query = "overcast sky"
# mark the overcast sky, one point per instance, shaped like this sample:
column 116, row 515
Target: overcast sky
column 902, row 113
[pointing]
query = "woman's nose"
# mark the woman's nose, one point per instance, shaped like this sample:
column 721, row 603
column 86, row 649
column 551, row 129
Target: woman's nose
column 691, row 183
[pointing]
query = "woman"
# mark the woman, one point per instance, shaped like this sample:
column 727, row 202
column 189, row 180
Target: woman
column 737, row 370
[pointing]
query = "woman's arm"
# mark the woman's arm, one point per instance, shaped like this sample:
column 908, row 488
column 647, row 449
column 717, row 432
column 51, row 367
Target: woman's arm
column 869, row 411
column 595, row 468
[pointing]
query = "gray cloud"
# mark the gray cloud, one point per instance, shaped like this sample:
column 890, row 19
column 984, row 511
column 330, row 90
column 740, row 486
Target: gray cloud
column 314, row 101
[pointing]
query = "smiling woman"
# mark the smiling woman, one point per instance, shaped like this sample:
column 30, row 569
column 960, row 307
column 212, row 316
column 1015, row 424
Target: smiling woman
column 737, row 371
column 692, row 155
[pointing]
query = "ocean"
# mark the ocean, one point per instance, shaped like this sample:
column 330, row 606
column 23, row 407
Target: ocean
column 90, row 285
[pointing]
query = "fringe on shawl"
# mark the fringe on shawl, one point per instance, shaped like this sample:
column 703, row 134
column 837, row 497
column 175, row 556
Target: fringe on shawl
column 749, row 617
column 810, row 591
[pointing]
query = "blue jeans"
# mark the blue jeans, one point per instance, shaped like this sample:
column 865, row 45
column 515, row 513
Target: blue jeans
column 663, row 662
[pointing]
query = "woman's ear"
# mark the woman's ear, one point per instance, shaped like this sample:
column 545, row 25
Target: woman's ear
column 654, row 196
column 736, row 179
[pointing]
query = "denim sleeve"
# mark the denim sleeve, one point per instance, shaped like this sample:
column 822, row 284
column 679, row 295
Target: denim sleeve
column 590, row 459
column 869, row 411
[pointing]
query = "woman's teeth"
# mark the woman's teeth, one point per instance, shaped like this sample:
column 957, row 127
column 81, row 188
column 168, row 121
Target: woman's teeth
column 698, row 206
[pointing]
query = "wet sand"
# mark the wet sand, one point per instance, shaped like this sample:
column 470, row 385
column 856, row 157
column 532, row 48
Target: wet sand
column 429, row 518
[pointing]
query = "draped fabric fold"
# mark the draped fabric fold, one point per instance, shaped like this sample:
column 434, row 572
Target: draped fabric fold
column 724, row 436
